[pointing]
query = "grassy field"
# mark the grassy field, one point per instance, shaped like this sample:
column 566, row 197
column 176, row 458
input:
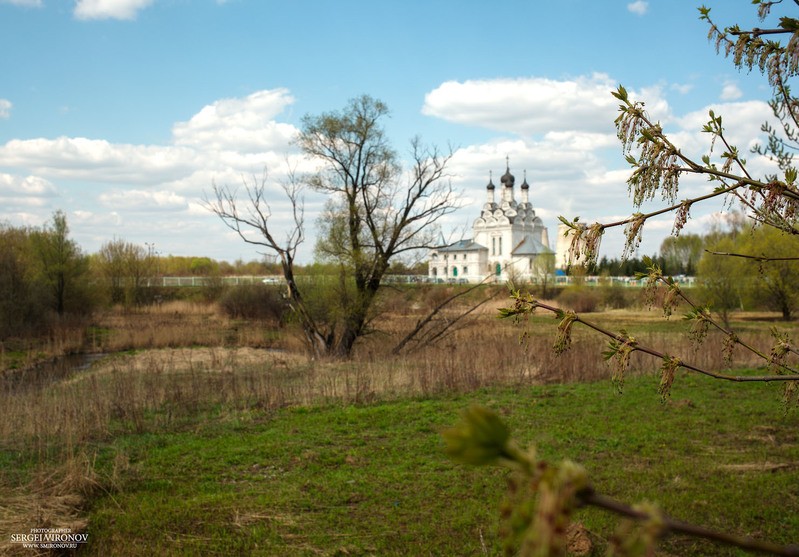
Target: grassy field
column 234, row 443
column 373, row 480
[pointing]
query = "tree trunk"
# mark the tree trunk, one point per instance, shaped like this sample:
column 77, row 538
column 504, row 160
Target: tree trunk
column 321, row 346
column 320, row 342
column 346, row 341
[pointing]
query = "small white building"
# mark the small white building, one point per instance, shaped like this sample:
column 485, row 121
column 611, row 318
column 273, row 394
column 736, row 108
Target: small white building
column 509, row 242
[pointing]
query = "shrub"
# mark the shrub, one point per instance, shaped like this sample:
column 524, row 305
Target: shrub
column 213, row 288
column 23, row 299
column 253, row 301
column 581, row 299
column 615, row 296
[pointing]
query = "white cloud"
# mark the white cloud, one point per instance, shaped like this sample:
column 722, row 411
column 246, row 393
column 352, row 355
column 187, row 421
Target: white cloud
column 532, row 106
column 560, row 131
column 109, row 9
column 730, row 92
column 30, row 191
column 639, row 7
column 107, row 219
column 564, row 176
column 30, row 185
column 243, row 125
column 140, row 200
column 5, row 108
column 581, row 141
column 225, row 142
column 741, row 122
column 98, row 160
column 144, row 192
column 224, row 139
column 681, row 88
column 565, row 131
column 654, row 101
column 575, row 167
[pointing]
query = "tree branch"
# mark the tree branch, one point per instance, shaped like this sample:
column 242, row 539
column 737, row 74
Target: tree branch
column 592, row 498
column 760, row 258
column 523, row 306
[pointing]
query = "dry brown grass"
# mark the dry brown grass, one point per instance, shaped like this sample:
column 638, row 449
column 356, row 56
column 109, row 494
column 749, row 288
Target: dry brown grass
column 55, row 498
column 230, row 365
column 172, row 324
column 191, row 360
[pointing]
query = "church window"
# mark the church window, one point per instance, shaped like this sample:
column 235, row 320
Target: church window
column 500, row 245
column 466, row 270
column 493, row 246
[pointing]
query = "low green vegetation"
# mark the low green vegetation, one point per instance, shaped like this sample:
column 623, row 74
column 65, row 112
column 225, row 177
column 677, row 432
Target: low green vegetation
column 373, row 480
column 189, row 442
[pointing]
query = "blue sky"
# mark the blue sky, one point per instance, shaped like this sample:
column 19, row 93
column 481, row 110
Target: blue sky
column 122, row 113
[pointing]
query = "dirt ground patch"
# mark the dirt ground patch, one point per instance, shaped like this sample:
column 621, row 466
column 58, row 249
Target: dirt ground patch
column 201, row 358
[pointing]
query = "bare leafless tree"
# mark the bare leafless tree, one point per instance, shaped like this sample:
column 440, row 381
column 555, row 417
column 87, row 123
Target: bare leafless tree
column 375, row 212
column 250, row 216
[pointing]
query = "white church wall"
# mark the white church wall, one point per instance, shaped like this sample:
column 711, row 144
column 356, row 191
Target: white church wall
column 497, row 232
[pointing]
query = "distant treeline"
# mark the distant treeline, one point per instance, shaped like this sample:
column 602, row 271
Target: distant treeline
column 46, row 278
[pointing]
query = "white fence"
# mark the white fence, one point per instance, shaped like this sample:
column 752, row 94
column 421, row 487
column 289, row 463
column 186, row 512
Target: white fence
column 402, row 279
column 619, row 281
column 210, row 281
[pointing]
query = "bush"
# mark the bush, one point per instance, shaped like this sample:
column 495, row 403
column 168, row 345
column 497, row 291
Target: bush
column 213, row 288
column 615, row 296
column 24, row 309
column 254, row 301
column 580, row 299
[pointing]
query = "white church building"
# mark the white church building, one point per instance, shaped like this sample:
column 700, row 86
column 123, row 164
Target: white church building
column 509, row 242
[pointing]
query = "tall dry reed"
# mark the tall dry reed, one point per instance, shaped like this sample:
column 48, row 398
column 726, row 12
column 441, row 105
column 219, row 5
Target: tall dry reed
column 231, row 372
column 159, row 387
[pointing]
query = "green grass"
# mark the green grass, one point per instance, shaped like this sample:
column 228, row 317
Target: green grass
column 373, row 480
column 357, row 480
